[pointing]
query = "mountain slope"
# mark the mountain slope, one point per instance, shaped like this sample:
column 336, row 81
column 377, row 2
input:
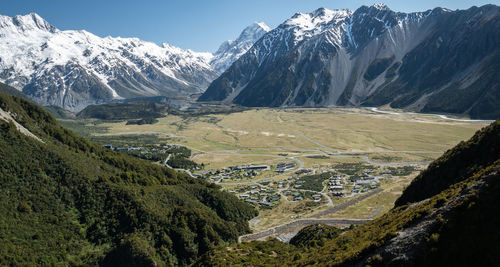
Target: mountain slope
column 8, row 90
column 230, row 51
column 433, row 61
column 457, row 164
column 65, row 201
column 456, row 225
column 72, row 69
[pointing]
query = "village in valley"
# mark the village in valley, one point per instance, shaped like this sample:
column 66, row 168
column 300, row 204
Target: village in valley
column 288, row 163
column 316, row 185
column 266, row 186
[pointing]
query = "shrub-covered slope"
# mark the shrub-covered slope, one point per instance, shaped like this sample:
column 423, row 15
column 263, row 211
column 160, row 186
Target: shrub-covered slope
column 315, row 235
column 455, row 165
column 123, row 111
column 66, row 201
column 456, row 225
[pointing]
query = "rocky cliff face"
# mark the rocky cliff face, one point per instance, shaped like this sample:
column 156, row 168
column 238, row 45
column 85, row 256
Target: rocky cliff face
column 433, row 61
column 72, row 69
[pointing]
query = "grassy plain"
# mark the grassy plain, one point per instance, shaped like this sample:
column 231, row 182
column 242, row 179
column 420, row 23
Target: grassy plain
column 297, row 130
column 314, row 138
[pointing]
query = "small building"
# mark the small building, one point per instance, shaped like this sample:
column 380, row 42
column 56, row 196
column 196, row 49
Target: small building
column 109, row 146
column 336, row 188
column 282, row 166
column 302, row 171
column 251, row 167
column 265, row 203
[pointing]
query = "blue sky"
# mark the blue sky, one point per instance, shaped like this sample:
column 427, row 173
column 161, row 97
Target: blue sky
column 191, row 24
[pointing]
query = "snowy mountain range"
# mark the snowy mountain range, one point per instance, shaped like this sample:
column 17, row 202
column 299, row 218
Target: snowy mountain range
column 72, row 69
column 230, row 50
column 433, row 61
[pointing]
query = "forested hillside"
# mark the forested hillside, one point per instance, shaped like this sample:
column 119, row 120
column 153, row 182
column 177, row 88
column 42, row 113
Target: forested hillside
column 66, row 201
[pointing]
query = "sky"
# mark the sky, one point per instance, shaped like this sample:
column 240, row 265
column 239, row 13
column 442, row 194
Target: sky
column 199, row 25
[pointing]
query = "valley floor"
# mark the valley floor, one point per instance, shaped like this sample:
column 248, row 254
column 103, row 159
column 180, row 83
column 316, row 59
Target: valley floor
column 344, row 163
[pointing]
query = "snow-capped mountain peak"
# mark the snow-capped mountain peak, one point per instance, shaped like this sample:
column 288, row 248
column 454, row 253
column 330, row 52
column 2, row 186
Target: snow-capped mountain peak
column 372, row 56
column 381, row 6
column 317, row 18
column 305, row 25
column 27, row 22
column 73, row 69
column 253, row 32
column 230, row 51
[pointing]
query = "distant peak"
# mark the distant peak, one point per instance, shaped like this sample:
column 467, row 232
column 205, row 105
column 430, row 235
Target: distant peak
column 32, row 21
column 325, row 12
column 253, row 32
column 381, row 6
column 320, row 16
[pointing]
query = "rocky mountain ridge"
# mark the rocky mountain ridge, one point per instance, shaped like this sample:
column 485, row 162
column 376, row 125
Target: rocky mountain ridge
column 73, row 69
column 433, row 61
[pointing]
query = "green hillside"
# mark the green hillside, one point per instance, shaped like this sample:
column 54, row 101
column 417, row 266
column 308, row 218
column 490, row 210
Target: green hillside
column 8, row 90
column 455, row 165
column 66, row 201
column 123, row 111
column 60, row 113
column 456, row 225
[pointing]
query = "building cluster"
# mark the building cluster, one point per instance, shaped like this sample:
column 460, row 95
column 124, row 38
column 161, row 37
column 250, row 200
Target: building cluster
column 126, row 148
column 365, row 182
column 336, row 188
column 258, row 195
column 283, row 166
column 235, row 172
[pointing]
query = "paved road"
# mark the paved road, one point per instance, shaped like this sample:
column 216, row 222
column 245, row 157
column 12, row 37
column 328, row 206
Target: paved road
column 299, row 223
column 182, row 170
column 346, row 204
